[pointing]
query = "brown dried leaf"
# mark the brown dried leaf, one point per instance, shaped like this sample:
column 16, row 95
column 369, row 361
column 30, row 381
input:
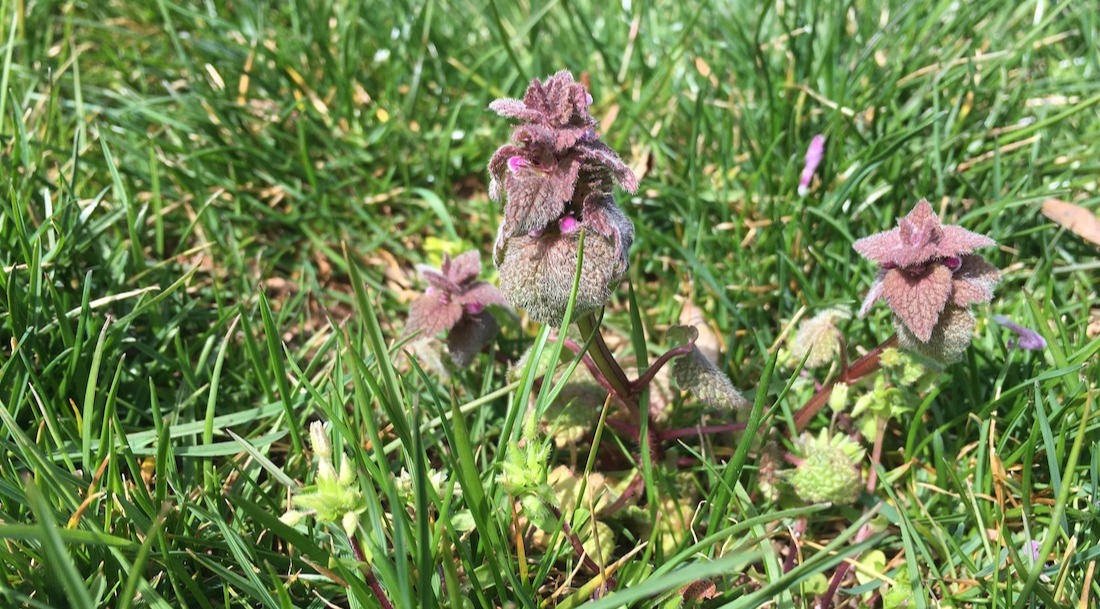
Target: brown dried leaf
column 1077, row 219
column 707, row 342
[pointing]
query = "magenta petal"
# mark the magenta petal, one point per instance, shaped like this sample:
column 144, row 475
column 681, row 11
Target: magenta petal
column 568, row 225
column 516, row 163
column 814, row 154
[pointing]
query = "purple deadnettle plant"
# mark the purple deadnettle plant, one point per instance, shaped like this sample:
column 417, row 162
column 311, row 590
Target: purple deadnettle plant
column 558, row 179
column 929, row 278
column 455, row 301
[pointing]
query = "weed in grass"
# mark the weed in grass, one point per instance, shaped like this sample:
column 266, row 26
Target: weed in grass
column 210, row 217
column 457, row 303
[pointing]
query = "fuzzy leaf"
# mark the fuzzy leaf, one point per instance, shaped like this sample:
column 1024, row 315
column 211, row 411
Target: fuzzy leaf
column 918, row 299
column 464, row 268
column 919, row 238
column 959, row 241
column 437, row 279
column 535, row 198
column 709, row 385
column 429, row 316
column 681, row 335
column 598, row 153
column 974, row 281
column 514, row 108
column 949, row 339
column 482, row 294
column 469, row 336
column 873, row 295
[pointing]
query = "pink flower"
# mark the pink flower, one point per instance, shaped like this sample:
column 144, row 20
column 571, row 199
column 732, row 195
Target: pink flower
column 929, row 279
column 1030, row 340
column 455, row 302
column 517, row 163
column 814, row 153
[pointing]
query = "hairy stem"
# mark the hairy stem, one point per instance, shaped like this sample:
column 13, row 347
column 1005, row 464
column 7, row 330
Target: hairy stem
column 684, row 432
column 575, row 541
column 601, row 355
column 372, row 581
column 865, row 531
column 859, row 369
column 639, row 384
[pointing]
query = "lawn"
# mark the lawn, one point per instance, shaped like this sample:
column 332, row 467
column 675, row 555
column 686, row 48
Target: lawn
column 215, row 217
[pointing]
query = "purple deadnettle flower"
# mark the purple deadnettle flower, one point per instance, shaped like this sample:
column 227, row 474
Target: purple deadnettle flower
column 929, row 278
column 455, row 302
column 1029, row 339
column 558, row 179
column 814, row 154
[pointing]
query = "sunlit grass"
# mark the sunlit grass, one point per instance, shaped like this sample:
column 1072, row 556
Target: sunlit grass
column 210, row 214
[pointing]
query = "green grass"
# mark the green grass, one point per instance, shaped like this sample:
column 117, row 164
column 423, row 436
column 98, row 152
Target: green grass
column 209, row 216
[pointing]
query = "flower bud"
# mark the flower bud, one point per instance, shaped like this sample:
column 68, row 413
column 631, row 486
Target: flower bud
column 335, row 497
column 838, row 398
column 818, row 340
column 524, row 469
column 829, row 470
column 536, row 273
column 949, row 340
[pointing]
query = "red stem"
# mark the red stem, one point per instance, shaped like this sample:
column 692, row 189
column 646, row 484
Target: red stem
column 826, row 600
column 575, row 541
column 593, row 369
column 683, row 432
column 632, row 489
column 796, row 535
column 372, row 581
column 865, row 531
column 639, row 384
column 861, row 368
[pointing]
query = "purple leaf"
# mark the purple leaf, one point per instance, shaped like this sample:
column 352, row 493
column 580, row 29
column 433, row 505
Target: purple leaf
column 429, row 316
column 919, row 238
column 469, row 337
column 974, row 281
column 918, row 299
